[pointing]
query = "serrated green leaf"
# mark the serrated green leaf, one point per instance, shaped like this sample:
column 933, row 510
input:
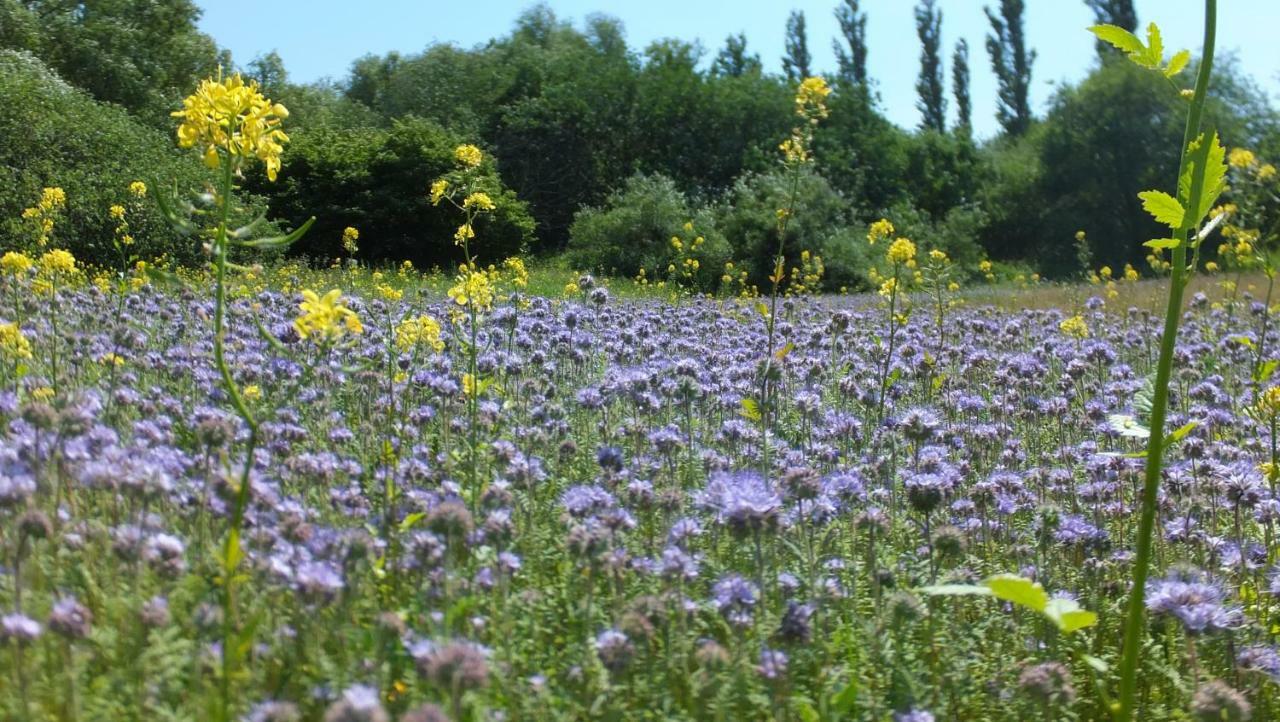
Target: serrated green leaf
column 1177, row 63
column 1145, row 398
column 750, row 409
column 1153, row 55
column 1160, row 244
column 1163, row 207
column 1119, row 37
column 1211, row 156
column 1018, row 590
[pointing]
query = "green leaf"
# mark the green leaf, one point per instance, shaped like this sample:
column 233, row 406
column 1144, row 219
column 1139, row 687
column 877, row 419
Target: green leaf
column 1160, row 244
column 1098, row 664
column 1182, row 431
column 1266, row 370
column 279, row 241
column 1211, row 157
column 1119, row 37
column 1067, row 615
column 1153, row 55
column 1177, row 63
column 1019, row 590
column 750, row 409
column 1164, row 208
column 407, row 523
column 846, row 700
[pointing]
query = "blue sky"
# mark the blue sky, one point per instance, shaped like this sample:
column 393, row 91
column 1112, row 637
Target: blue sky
column 320, row 38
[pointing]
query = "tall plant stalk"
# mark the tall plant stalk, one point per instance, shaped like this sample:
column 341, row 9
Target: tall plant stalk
column 1134, row 621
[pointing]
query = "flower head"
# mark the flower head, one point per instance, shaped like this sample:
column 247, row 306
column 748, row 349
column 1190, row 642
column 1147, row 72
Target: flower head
column 349, row 237
column 901, row 250
column 468, row 155
column 228, row 117
column 419, row 331
column 325, row 318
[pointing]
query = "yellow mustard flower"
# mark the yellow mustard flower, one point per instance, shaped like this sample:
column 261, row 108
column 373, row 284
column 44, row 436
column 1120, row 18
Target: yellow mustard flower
column 349, row 237
column 230, row 117
column 438, row 190
column 1241, row 158
column 478, row 200
column 325, row 318
column 138, row 189
column 880, row 229
column 1074, row 327
column 16, row 262
column 901, row 250
column 472, row 287
column 13, row 343
column 57, row 262
column 419, row 331
column 468, row 155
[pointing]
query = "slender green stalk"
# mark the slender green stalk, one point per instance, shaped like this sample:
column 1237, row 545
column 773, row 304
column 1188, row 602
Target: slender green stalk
column 1135, row 622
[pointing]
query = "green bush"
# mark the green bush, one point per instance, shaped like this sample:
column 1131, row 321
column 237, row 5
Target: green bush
column 956, row 233
column 633, row 230
column 376, row 180
column 748, row 218
column 55, row 135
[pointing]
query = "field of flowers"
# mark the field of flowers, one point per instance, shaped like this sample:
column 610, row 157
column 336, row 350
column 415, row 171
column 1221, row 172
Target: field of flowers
column 589, row 532
column 256, row 490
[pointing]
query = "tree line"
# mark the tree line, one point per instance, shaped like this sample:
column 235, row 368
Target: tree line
column 589, row 134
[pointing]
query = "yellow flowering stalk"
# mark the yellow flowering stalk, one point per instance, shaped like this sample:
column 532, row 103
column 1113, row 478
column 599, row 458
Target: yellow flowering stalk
column 13, row 343
column 349, row 238
column 16, row 263
column 473, row 289
column 42, row 216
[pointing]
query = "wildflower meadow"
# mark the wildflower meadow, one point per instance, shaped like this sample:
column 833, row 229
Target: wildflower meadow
column 242, row 483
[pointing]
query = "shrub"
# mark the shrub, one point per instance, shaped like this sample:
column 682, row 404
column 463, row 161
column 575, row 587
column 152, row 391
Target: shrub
column 633, row 230
column 376, row 180
column 55, row 135
column 748, row 218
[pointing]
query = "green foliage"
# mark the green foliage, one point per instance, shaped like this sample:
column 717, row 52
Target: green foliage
column 58, row 136
column 633, row 230
column 797, row 62
column 142, row 54
column 929, row 84
column 376, row 180
column 1011, row 62
column 748, row 218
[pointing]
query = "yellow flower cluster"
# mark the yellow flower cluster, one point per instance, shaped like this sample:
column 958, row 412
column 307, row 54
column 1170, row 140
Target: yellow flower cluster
column 901, row 251
column 13, row 343
column 478, row 200
column 1268, row 404
column 438, row 189
column 807, row 278
column 879, row 230
column 1075, row 327
column 325, row 318
column 811, row 99
column 15, row 263
column 519, row 274
column 42, row 214
column 57, row 263
column 468, row 155
column 473, row 286
column 1241, row 158
column 349, row 237
column 138, row 189
column 229, row 117
column 420, row 331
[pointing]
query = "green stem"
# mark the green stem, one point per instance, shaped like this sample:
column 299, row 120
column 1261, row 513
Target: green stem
column 1134, row 622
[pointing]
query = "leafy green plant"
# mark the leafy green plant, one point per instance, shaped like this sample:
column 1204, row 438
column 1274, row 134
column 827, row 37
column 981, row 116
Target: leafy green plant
column 1201, row 179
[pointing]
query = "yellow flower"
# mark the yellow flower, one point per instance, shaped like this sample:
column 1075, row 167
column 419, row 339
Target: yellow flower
column 478, row 200
column 984, row 265
column 464, row 233
column 888, row 287
column 349, row 238
column 325, row 318
column 117, row 212
column 420, row 331
column 1266, row 172
column 229, row 117
column 438, row 190
column 520, row 274
column 251, row 392
column 57, row 262
column 1080, row 236
column 1241, row 158
column 14, row 263
column 468, row 155
column 388, row 293
column 1211, row 267
column 52, row 199
column 811, row 98
column 468, row 385
column 880, row 229
column 138, row 189
column 472, row 287
column 901, row 251
column 1075, row 327
column 938, row 256
column 13, row 343
column 1268, row 403
column 793, row 150
column 42, row 393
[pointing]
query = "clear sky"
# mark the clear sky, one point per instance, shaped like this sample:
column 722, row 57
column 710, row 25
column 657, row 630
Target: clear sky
column 320, row 38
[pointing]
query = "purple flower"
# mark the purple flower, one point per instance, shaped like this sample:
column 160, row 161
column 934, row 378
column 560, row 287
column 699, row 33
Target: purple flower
column 735, row 599
column 741, row 500
column 1195, row 601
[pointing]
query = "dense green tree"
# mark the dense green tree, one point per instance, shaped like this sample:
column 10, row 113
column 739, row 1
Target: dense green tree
column 797, row 62
column 376, row 180
column 1011, row 62
column 929, row 83
column 960, row 88
column 142, row 54
column 733, row 60
column 851, row 54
